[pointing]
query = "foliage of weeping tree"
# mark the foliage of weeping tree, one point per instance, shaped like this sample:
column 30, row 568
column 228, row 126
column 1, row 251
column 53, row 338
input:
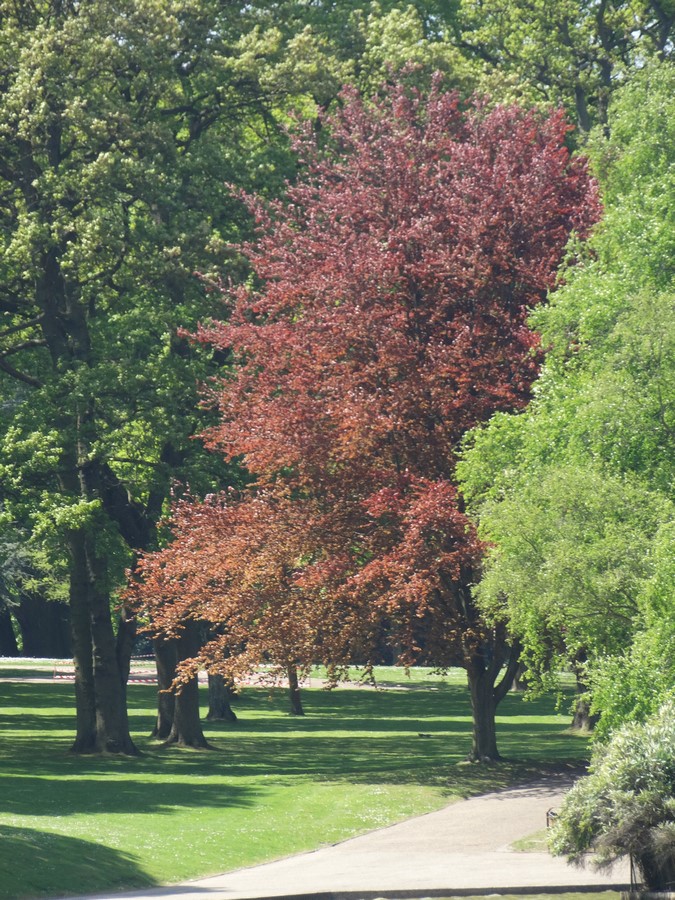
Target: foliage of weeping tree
column 626, row 806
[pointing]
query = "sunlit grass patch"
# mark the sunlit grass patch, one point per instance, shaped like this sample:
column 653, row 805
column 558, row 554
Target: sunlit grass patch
column 276, row 784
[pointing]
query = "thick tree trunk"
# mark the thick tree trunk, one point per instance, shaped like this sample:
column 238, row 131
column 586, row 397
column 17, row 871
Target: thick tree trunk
column 166, row 659
column 483, row 709
column 96, row 670
column 294, row 690
column 186, row 730
column 220, row 695
column 8, row 644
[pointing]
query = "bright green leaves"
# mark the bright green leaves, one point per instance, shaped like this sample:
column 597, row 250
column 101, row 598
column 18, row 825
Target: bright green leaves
column 577, row 492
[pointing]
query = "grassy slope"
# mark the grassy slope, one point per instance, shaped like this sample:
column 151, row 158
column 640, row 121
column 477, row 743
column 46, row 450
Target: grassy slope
column 277, row 785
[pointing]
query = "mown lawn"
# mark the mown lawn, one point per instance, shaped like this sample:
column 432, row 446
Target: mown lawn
column 275, row 785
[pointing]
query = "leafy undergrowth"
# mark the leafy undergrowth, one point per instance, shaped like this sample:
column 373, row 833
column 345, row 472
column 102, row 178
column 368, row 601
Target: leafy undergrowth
column 276, row 784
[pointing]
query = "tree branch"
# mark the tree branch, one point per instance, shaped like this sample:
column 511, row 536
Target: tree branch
column 22, row 327
column 20, row 376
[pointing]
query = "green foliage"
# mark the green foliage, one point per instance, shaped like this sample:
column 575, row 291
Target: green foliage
column 627, row 804
column 570, row 52
column 576, row 493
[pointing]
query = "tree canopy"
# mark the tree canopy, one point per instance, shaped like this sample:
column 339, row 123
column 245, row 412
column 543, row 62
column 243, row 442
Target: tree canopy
column 576, row 492
column 387, row 317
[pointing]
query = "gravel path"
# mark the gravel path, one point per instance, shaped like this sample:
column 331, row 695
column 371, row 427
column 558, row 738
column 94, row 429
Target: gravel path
column 462, row 848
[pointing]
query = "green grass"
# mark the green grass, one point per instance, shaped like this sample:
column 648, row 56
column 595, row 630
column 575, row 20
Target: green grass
column 566, row 895
column 276, row 785
column 532, row 843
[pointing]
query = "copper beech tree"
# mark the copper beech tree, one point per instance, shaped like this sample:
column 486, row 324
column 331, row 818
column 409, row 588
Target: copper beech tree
column 386, row 317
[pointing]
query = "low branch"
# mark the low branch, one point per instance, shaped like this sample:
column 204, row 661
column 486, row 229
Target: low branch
column 26, row 345
column 22, row 327
column 20, row 376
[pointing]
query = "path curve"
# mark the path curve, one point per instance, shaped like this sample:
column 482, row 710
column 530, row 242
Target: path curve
column 461, row 849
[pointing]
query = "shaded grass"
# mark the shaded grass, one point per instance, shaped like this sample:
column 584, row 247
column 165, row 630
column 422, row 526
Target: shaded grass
column 276, row 784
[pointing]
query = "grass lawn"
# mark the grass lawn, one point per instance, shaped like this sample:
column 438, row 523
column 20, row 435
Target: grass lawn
column 276, row 785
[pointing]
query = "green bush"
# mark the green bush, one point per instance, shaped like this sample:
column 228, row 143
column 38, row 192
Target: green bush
column 627, row 804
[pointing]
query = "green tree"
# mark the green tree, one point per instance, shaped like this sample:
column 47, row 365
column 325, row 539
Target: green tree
column 574, row 52
column 119, row 125
column 576, row 493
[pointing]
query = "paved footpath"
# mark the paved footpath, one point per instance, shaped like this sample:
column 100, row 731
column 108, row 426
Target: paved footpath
column 463, row 848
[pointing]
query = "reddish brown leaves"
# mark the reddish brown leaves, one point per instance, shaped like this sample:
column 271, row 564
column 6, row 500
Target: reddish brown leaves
column 396, row 279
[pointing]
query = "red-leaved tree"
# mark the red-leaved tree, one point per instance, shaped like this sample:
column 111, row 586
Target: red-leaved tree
column 388, row 316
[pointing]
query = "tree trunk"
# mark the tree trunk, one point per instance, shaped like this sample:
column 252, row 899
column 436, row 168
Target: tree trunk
column 220, row 695
column 97, row 674
column 8, row 644
column 582, row 719
column 124, row 643
column 520, row 680
column 294, row 690
column 166, row 659
column 484, row 664
column 186, row 730
column 85, row 702
column 483, row 709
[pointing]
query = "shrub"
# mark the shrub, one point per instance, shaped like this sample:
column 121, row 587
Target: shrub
column 626, row 805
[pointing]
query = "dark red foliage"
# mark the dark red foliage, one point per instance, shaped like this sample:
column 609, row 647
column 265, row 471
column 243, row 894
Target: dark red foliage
column 389, row 317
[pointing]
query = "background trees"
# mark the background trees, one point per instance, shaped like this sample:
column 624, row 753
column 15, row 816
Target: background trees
column 120, row 124
column 573, row 52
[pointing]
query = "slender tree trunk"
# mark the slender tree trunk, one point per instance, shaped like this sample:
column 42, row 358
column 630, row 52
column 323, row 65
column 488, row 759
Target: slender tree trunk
column 8, row 644
column 294, row 690
column 220, row 695
column 124, row 643
column 582, row 719
column 186, row 730
column 520, row 680
column 166, row 659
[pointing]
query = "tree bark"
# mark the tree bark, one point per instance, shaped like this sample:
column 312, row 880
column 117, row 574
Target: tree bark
column 85, row 701
column 220, row 695
column 520, row 679
column 582, row 719
column 186, row 730
column 484, row 664
column 294, row 690
column 166, row 659
column 99, row 685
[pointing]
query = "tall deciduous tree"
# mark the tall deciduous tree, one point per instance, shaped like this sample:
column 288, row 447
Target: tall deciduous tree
column 388, row 318
column 119, row 124
column 576, row 493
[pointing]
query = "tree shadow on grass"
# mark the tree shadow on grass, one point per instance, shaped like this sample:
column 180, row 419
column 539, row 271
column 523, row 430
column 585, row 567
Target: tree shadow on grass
column 27, row 795
column 359, row 736
column 43, row 864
